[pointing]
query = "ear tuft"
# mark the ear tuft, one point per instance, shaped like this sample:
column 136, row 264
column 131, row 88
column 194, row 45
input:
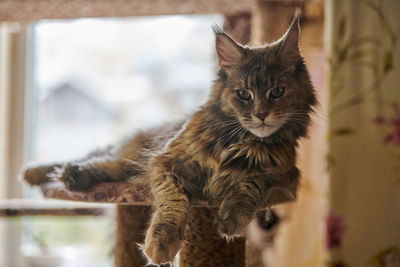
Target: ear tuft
column 228, row 51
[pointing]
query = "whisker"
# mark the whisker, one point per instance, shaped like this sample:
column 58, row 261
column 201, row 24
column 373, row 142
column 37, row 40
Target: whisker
column 237, row 130
column 206, row 129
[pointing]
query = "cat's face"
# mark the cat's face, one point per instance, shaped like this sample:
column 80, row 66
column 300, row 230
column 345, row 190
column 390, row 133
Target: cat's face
column 266, row 87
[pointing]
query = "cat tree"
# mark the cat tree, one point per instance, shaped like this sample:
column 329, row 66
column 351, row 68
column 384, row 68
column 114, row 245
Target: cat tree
column 203, row 246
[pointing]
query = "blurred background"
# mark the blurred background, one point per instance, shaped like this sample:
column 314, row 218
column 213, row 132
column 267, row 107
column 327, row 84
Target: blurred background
column 75, row 76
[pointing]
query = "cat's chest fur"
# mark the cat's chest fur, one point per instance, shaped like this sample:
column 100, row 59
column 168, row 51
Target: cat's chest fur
column 207, row 174
column 246, row 161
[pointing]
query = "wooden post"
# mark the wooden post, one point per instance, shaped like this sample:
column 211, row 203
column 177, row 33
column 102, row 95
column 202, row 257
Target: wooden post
column 131, row 228
column 204, row 247
column 238, row 26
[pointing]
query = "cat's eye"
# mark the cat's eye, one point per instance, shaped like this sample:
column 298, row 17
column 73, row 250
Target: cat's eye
column 277, row 92
column 243, row 94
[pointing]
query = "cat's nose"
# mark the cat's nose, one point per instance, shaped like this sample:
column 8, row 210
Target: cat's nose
column 262, row 115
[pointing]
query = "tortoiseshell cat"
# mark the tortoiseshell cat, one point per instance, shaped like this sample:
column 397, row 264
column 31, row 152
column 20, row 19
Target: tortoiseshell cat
column 234, row 152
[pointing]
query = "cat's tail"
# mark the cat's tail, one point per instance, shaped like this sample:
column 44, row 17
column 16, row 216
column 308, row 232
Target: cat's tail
column 39, row 174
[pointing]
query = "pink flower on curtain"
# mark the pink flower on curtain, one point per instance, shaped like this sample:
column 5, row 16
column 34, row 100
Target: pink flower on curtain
column 394, row 123
column 335, row 230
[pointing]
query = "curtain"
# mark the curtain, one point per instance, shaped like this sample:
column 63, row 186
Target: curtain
column 363, row 212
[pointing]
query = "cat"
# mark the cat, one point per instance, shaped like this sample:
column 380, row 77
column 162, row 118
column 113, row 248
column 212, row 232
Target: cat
column 238, row 151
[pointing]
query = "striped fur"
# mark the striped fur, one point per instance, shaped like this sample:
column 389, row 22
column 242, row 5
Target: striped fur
column 214, row 155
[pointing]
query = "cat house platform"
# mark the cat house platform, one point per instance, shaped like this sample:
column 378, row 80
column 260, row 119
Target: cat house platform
column 203, row 246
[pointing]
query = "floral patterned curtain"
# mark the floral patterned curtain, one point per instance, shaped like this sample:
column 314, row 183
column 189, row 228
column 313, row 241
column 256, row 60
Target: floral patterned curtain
column 363, row 222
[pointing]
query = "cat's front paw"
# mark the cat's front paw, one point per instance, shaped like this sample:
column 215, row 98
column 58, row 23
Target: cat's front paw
column 160, row 251
column 76, row 178
column 231, row 219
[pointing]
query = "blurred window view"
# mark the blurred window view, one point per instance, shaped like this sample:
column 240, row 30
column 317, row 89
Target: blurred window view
column 96, row 81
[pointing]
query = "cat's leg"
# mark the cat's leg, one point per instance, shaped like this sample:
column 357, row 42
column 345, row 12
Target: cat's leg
column 239, row 206
column 102, row 165
column 99, row 166
column 165, row 234
column 81, row 176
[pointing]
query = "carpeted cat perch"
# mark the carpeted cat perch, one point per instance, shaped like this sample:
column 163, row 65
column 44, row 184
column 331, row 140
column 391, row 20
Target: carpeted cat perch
column 203, row 247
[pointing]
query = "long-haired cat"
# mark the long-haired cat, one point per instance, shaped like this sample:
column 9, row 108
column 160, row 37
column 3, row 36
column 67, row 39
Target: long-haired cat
column 236, row 150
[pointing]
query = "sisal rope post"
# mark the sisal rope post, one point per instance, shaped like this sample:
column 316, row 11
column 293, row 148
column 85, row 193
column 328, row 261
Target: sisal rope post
column 132, row 223
column 204, row 247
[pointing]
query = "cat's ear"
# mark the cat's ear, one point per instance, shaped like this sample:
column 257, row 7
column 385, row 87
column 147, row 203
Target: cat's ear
column 229, row 52
column 288, row 45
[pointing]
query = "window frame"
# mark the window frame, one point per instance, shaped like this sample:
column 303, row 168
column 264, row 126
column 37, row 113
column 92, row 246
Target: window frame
column 15, row 59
